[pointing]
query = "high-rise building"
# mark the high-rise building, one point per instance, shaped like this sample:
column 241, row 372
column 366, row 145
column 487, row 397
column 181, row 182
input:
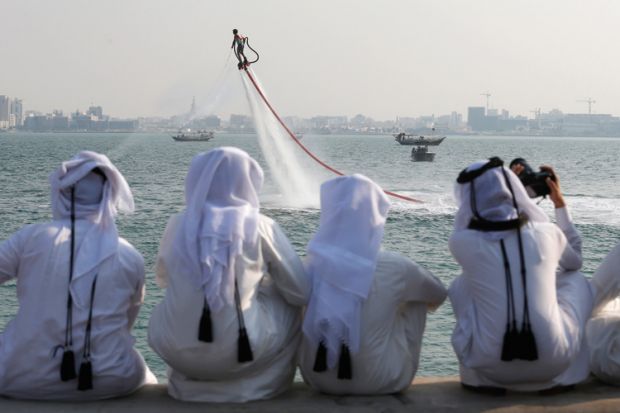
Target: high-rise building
column 5, row 118
column 4, row 108
column 17, row 110
column 476, row 117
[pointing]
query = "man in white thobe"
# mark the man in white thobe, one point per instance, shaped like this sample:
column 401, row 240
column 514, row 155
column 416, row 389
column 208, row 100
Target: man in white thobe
column 505, row 338
column 364, row 323
column 79, row 287
column 603, row 329
column 229, row 325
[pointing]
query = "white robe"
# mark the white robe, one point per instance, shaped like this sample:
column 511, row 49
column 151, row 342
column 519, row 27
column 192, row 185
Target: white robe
column 392, row 323
column 272, row 286
column 38, row 257
column 559, row 306
column 603, row 329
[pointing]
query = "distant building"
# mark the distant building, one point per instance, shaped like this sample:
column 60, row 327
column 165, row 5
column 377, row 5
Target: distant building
column 4, row 112
column 38, row 123
column 81, row 121
column 240, row 122
column 206, row 122
column 122, row 125
column 17, row 110
column 456, row 119
column 96, row 111
column 476, row 118
column 59, row 122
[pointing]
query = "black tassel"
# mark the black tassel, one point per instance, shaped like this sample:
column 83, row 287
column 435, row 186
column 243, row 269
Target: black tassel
column 85, row 380
column 244, row 351
column 345, row 370
column 528, row 348
column 320, row 361
column 510, row 346
column 67, row 366
column 205, row 328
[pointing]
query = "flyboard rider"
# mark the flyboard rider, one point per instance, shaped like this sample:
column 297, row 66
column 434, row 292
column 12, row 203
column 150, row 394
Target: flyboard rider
column 239, row 41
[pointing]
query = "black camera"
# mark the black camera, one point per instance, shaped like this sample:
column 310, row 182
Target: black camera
column 535, row 183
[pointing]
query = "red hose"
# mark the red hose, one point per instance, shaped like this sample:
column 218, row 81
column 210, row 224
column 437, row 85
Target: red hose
column 306, row 150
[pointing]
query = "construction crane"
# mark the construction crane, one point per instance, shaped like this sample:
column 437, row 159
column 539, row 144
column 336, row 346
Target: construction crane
column 589, row 101
column 488, row 95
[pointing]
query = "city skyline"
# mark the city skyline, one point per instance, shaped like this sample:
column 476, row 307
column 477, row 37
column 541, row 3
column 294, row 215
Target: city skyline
column 505, row 111
column 480, row 120
column 147, row 58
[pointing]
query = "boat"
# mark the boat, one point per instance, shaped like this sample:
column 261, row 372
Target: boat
column 190, row 135
column 421, row 154
column 405, row 139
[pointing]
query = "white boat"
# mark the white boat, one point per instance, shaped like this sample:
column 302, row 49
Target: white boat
column 190, row 135
column 418, row 140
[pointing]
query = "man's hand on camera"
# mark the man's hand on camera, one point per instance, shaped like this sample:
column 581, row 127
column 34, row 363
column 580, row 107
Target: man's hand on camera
column 554, row 185
column 517, row 168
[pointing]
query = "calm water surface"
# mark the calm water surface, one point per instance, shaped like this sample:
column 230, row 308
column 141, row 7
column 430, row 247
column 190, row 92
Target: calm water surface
column 155, row 167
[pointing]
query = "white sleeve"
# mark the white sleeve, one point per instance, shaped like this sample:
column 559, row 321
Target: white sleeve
column 137, row 298
column 161, row 270
column 284, row 265
column 606, row 280
column 10, row 254
column 422, row 286
column 570, row 259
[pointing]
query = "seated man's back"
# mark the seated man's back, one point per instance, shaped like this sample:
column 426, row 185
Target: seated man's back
column 364, row 323
column 393, row 318
column 79, row 288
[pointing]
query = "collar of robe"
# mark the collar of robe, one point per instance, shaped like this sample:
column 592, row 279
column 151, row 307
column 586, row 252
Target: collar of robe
column 518, row 344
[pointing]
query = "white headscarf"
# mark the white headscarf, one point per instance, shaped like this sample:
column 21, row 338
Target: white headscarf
column 97, row 201
column 220, row 221
column 494, row 200
column 342, row 258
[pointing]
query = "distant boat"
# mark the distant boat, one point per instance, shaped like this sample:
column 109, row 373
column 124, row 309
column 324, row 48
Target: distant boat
column 190, row 135
column 405, row 139
column 298, row 136
column 421, row 154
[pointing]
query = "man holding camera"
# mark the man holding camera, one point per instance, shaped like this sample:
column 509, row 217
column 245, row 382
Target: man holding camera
column 520, row 303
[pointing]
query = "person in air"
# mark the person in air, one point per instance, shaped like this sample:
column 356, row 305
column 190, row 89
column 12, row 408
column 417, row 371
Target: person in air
column 521, row 305
column 238, row 45
column 79, row 288
column 362, row 330
column 230, row 323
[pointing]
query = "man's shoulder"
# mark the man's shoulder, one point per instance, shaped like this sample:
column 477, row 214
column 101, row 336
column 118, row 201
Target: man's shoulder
column 393, row 261
column 128, row 253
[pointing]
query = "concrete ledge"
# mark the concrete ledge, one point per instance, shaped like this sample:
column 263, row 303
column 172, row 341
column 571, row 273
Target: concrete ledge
column 428, row 394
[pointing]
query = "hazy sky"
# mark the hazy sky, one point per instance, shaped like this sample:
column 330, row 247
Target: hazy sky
column 332, row 57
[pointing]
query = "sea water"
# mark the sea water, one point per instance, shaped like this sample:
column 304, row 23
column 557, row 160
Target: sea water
column 155, row 167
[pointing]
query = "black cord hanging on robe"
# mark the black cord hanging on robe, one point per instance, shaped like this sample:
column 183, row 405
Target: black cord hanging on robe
column 510, row 345
column 244, row 350
column 320, row 360
column 345, row 368
column 528, row 349
column 85, row 378
column 205, row 327
column 67, row 365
